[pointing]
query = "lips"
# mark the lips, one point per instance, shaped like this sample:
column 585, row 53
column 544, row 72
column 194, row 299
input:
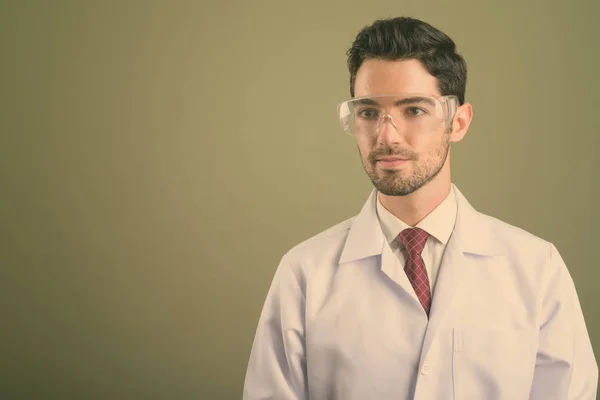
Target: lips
column 390, row 159
column 391, row 162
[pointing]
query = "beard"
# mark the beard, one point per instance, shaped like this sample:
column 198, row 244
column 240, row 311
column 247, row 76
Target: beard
column 392, row 182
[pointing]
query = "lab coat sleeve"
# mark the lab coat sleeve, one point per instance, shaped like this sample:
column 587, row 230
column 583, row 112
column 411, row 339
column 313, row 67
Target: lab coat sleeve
column 566, row 368
column 277, row 366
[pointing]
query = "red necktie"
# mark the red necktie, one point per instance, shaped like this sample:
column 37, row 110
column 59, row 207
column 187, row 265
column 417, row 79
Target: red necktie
column 414, row 240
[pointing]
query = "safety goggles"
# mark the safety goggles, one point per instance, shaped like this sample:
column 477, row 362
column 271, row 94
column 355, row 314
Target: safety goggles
column 410, row 113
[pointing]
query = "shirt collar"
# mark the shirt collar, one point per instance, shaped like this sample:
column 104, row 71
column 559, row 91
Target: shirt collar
column 439, row 223
column 473, row 232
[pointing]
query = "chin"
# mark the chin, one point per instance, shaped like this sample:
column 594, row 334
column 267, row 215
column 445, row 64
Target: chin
column 396, row 191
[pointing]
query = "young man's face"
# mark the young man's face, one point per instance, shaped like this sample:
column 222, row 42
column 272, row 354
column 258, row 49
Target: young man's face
column 399, row 160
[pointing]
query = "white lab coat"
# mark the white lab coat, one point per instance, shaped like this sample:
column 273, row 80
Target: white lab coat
column 341, row 320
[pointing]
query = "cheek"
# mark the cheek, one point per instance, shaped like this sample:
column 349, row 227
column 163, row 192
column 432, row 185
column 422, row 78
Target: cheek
column 364, row 146
column 430, row 145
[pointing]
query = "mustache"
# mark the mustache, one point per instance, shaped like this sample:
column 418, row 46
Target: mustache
column 391, row 152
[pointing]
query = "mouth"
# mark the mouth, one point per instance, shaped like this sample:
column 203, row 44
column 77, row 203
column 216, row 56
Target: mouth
column 389, row 159
column 391, row 162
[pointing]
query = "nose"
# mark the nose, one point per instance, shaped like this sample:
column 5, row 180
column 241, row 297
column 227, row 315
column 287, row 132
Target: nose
column 388, row 132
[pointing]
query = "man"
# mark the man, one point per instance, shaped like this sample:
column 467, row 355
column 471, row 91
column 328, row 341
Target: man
column 419, row 296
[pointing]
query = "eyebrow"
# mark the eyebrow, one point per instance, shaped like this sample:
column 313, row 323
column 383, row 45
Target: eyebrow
column 407, row 100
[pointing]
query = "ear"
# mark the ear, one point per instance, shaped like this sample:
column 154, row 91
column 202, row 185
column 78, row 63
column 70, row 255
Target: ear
column 461, row 122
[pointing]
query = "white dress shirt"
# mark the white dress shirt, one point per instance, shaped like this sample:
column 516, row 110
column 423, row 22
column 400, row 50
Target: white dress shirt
column 439, row 224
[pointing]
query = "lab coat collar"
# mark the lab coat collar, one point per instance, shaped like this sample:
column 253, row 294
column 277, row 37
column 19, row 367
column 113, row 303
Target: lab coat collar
column 472, row 231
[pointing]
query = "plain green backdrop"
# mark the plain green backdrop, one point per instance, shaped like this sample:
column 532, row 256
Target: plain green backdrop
column 159, row 157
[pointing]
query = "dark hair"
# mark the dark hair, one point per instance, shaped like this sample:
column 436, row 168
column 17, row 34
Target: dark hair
column 404, row 38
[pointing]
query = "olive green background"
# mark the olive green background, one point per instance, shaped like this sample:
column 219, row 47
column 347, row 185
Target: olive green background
column 159, row 157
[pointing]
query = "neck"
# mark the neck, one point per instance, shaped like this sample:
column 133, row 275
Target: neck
column 412, row 208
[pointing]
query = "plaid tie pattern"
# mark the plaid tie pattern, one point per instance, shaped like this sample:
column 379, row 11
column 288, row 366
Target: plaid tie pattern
column 414, row 240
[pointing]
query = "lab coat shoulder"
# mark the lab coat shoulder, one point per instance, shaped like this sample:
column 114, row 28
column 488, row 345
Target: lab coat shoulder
column 320, row 251
column 297, row 264
column 533, row 256
column 528, row 254
column 502, row 252
column 513, row 239
column 327, row 244
column 323, row 247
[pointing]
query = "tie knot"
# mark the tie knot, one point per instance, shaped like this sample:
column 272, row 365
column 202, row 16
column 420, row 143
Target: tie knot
column 414, row 240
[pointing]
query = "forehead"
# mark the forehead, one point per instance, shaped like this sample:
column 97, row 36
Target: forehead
column 376, row 77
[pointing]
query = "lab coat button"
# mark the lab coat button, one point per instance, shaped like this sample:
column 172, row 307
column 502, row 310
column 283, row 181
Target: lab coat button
column 425, row 369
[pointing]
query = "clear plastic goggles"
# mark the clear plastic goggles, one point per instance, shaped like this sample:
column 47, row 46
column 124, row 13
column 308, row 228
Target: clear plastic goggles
column 408, row 113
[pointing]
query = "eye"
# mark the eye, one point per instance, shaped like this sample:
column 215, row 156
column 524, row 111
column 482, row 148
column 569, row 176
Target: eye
column 368, row 113
column 415, row 111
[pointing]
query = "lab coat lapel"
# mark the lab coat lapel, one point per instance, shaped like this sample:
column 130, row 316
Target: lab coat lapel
column 366, row 239
column 471, row 236
column 444, row 291
column 391, row 266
